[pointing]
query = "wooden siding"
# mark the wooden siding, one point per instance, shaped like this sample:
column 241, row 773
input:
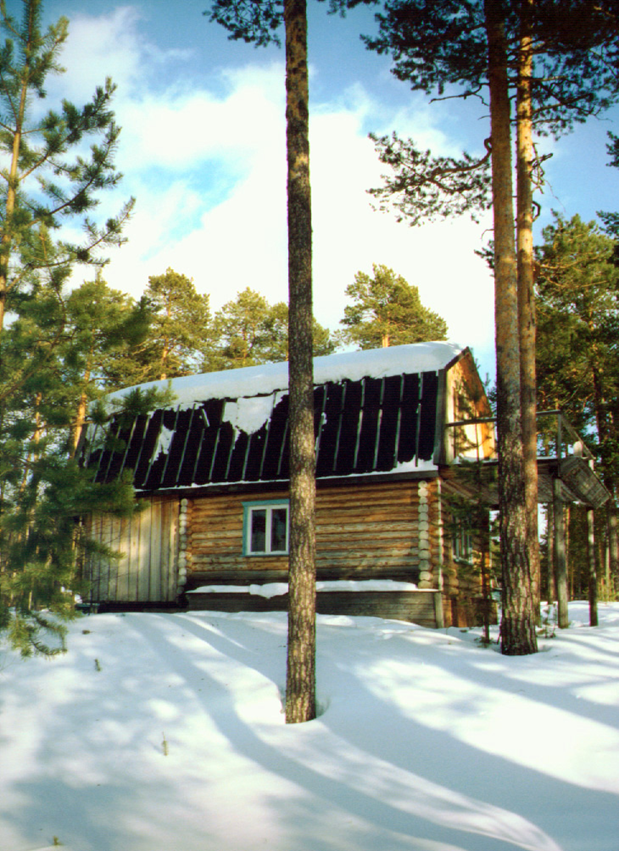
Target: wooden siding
column 372, row 532
column 146, row 571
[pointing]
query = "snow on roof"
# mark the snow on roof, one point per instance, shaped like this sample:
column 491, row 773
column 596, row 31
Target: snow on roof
column 267, row 378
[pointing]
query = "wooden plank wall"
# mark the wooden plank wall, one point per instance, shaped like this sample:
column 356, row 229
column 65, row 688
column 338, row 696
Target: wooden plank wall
column 362, row 532
column 146, row 572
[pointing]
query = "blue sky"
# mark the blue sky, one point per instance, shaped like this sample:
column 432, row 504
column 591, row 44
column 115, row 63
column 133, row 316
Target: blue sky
column 202, row 150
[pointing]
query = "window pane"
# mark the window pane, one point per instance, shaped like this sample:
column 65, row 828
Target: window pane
column 279, row 518
column 258, row 530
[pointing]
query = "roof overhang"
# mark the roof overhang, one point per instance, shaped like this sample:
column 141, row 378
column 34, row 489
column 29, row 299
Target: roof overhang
column 577, row 481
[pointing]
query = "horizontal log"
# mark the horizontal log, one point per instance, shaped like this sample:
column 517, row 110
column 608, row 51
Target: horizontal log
column 362, row 544
column 356, row 518
column 363, row 532
column 364, row 498
column 411, row 606
column 239, row 564
column 232, row 517
column 351, row 552
column 222, row 574
column 227, row 536
column 342, row 561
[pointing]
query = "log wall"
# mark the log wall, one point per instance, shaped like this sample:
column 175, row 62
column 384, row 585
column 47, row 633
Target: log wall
column 466, row 586
column 386, row 531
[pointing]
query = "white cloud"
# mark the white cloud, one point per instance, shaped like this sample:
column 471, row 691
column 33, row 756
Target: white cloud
column 177, row 130
column 206, row 162
column 103, row 46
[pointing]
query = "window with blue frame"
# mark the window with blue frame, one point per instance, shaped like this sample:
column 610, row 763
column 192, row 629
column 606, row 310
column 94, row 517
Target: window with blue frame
column 265, row 527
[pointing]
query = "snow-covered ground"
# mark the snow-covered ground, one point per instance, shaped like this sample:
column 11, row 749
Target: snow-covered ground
column 165, row 733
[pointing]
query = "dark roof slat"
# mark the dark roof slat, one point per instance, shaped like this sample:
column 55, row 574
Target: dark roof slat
column 329, row 429
column 266, row 433
column 409, row 404
column 357, row 435
column 320, row 400
column 143, row 420
column 169, row 474
column 427, row 416
column 185, row 446
column 159, row 461
column 151, row 433
column 386, row 455
column 237, row 457
column 222, row 453
column 368, row 432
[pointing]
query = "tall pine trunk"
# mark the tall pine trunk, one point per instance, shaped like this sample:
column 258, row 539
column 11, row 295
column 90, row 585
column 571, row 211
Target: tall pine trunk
column 526, row 292
column 301, row 662
column 518, row 622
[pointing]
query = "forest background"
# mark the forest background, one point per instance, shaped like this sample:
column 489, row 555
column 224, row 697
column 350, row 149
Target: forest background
column 202, row 151
column 108, row 339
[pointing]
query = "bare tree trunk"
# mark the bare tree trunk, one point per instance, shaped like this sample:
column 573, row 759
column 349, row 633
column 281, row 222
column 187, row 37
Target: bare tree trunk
column 301, row 665
column 592, row 573
column 526, row 292
column 518, row 635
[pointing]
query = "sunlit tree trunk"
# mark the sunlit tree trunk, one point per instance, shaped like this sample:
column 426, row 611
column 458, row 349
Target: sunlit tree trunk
column 301, row 662
column 518, row 622
column 526, row 293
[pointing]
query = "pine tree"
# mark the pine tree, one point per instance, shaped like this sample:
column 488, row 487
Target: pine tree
column 240, row 331
column 550, row 57
column 48, row 178
column 248, row 331
column 387, row 311
column 181, row 328
column 578, row 351
column 103, row 328
column 36, row 152
column 276, row 345
column 43, row 488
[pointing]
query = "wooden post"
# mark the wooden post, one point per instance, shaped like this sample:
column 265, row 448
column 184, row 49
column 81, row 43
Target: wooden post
column 613, row 549
column 593, row 580
column 551, row 595
column 560, row 558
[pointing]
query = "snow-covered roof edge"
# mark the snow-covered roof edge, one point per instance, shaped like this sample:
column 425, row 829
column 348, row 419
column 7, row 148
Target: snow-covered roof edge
column 267, row 378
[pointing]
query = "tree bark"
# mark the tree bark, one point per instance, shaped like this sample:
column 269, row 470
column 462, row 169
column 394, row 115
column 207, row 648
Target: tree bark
column 592, row 572
column 526, row 291
column 518, row 635
column 301, row 663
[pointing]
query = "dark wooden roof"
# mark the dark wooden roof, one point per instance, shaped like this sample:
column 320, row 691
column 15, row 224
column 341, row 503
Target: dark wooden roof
column 387, row 424
column 367, row 426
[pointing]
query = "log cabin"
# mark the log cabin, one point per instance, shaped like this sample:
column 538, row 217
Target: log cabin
column 401, row 531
